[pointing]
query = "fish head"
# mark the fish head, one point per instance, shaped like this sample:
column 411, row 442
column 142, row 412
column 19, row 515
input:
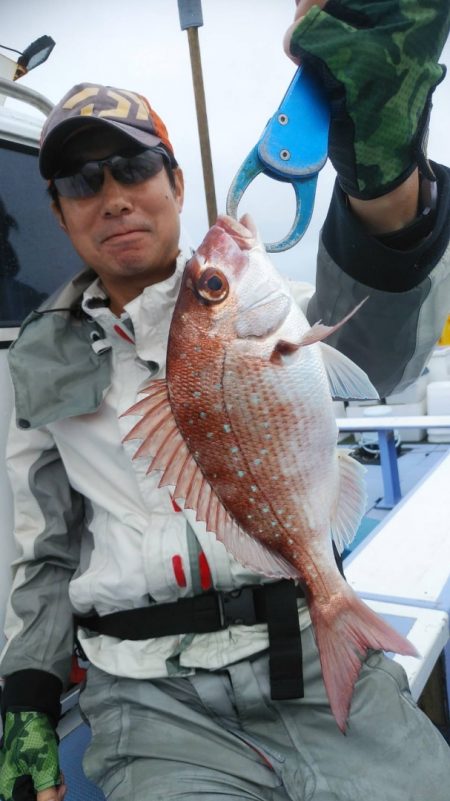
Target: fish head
column 230, row 287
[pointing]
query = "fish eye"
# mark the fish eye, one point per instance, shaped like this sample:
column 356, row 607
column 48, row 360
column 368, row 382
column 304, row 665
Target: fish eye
column 212, row 285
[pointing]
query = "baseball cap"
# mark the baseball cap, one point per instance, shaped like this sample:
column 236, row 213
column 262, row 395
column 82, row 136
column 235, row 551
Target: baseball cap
column 86, row 103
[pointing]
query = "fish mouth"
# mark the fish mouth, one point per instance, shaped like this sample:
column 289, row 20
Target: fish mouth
column 243, row 232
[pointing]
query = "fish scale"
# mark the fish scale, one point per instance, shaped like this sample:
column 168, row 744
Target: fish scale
column 204, row 422
column 286, row 474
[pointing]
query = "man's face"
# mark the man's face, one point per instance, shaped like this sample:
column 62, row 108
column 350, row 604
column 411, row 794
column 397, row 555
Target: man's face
column 127, row 233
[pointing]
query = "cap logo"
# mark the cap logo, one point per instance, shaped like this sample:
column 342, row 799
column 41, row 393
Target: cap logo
column 80, row 97
column 122, row 108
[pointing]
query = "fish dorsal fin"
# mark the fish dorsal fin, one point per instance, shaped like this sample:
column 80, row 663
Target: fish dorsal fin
column 164, row 447
column 346, row 379
column 351, row 503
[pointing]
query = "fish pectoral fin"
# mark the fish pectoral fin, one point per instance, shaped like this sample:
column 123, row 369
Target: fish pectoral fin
column 320, row 331
column 351, row 502
column 346, row 379
column 282, row 348
column 317, row 333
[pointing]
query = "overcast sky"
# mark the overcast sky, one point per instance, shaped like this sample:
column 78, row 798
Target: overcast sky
column 139, row 45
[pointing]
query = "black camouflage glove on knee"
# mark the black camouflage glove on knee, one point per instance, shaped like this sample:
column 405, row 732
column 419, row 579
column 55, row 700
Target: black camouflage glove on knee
column 29, row 756
column 378, row 62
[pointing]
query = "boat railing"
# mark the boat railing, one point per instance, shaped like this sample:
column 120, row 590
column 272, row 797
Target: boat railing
column 385, row 428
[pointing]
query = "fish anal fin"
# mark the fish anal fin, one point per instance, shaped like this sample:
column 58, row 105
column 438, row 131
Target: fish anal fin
column 251, row 553
column 343, row 640
column 247, row 550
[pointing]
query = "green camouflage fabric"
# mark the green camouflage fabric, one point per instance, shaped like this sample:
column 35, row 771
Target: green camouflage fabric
column 378, row 62
column 30, row 748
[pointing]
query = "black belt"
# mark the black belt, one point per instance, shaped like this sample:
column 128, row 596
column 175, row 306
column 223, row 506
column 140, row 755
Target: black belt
column 274, row 604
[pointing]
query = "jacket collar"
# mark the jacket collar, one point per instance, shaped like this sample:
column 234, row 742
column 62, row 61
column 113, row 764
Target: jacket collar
column 56, row 370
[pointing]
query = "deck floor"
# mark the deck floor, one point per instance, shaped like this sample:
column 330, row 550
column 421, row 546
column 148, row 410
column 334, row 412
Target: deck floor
column 415, row 460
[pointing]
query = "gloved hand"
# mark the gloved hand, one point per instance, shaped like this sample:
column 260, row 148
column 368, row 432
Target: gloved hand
column 29, row 758
column 378, row 63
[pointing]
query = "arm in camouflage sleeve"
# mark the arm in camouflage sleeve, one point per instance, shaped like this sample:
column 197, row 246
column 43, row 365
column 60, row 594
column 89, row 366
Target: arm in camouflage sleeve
column 39, row 629
column 29, row 762
column 382, row 238
column 378, row 63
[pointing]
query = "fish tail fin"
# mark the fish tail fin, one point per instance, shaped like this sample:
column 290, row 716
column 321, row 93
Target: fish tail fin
column 343, row 638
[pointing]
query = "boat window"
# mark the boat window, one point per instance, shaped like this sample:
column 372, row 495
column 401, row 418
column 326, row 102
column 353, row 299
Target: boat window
column 35, row 255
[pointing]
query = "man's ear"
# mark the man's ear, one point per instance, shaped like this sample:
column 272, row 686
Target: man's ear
column 179, row 187
column 57, row 211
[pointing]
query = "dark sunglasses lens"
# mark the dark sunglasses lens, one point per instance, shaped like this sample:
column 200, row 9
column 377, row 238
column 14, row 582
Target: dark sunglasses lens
column 125, row 169
column 134, row 169
column 85, row 183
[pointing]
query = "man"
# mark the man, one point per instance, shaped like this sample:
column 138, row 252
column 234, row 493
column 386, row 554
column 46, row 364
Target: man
column 192, row 715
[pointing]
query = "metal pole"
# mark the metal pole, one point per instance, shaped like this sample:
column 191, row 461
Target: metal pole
column 191, row 19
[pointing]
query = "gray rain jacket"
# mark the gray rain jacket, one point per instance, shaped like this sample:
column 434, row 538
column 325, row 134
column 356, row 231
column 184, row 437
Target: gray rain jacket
column 93, row 531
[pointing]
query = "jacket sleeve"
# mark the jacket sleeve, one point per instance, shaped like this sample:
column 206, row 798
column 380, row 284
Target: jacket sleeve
column 407, row 285
column 49, row 515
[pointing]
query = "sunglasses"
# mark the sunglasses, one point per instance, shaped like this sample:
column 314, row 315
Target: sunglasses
column 87, row 180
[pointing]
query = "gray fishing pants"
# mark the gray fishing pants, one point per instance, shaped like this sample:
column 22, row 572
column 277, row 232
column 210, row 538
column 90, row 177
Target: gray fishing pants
column 219, row 737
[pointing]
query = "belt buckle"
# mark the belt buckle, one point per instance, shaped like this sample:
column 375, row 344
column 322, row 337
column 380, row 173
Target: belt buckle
column 237, row 608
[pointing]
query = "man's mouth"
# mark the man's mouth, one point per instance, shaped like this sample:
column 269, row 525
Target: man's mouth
column 124, row 236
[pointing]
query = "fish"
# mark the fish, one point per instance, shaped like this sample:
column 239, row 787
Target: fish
column 243, row 431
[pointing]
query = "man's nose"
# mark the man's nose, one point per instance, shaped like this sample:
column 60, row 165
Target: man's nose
column 115, row 196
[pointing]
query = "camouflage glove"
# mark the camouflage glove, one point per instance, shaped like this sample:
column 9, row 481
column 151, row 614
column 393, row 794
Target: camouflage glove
column 29, row 756
column 378, row 62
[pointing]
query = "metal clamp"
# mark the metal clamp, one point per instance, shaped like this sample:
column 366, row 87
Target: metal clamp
column 293, row 148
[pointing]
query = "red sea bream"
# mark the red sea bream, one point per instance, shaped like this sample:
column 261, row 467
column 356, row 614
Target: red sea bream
column 243, row 429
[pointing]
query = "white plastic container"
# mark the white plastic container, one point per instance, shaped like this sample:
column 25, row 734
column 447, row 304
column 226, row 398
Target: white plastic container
column 438, row 402
column 357, row 409
column 411, row 401
column 411, row 410
column 439, row 365
column 413, row 394
column 370, row 438
column 371, row 410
